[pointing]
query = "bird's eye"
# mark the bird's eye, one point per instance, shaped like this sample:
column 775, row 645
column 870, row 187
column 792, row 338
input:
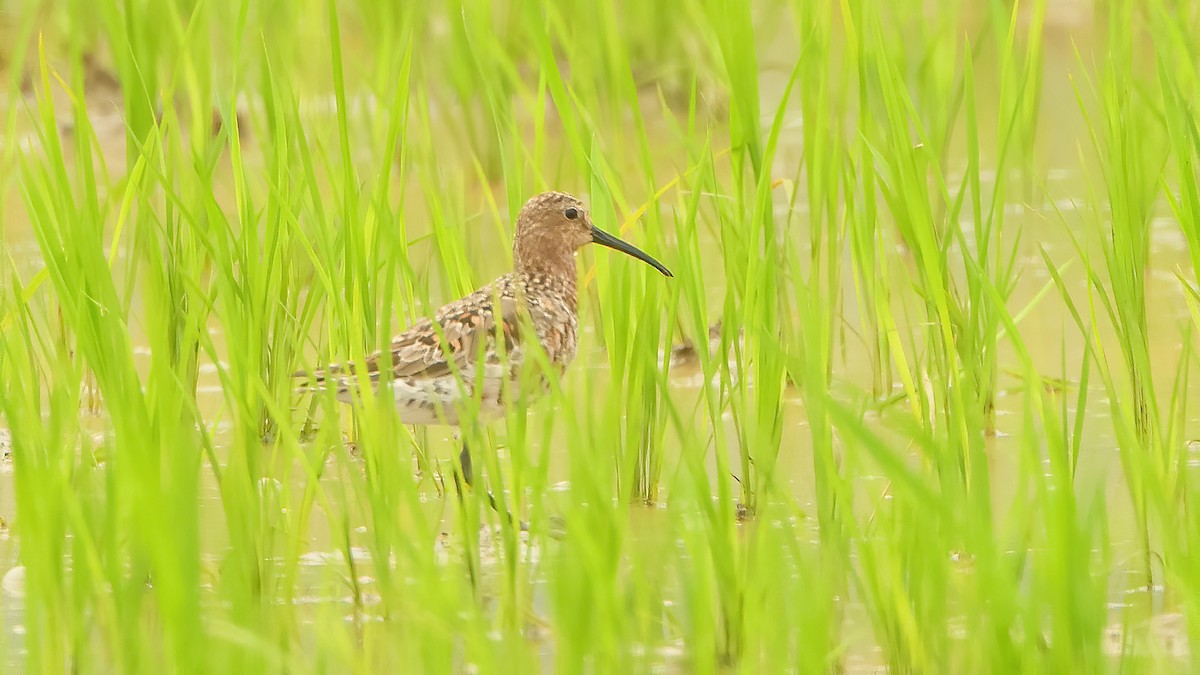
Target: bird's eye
column 571, row 213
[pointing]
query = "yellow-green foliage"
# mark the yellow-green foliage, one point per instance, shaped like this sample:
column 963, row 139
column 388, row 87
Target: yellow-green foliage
column 950, row 248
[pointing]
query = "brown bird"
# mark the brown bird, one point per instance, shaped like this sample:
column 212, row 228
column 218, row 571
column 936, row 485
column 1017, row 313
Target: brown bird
column 474, row 353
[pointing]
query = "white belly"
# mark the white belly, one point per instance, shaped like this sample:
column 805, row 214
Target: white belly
column 446, row 400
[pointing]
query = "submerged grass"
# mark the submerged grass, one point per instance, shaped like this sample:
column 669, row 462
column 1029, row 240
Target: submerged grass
column 854, row 202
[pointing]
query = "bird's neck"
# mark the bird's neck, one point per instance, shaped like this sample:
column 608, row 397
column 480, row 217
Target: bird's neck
column 552, row 269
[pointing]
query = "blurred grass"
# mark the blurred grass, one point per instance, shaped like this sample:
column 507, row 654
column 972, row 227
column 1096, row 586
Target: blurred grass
column 200, row 198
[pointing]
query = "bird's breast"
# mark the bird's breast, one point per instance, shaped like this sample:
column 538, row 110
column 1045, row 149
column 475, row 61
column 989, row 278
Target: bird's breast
column 557, row 328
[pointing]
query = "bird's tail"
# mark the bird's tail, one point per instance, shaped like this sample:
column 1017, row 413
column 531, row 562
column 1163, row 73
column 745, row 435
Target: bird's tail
column 338, row 377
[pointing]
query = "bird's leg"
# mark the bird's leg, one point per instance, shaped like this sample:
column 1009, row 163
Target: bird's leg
column 462, row 473
column 464, row 463
column 467, row 470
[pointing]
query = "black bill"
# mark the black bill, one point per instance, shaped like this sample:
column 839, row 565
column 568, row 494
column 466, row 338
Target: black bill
column 605, row 239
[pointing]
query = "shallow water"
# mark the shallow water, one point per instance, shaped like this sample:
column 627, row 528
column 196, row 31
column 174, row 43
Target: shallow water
column 1047, row 330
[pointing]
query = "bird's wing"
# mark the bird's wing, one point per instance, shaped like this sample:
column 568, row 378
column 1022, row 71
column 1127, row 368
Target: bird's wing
column 466, row 327
column 421, row 353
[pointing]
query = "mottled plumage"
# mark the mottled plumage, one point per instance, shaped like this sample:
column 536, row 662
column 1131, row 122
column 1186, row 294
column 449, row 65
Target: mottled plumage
column 490, row 328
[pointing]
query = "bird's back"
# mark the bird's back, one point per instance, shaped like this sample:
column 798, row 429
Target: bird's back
column 473, row 349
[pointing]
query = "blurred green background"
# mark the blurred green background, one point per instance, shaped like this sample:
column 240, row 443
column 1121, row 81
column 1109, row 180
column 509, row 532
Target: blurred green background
column 918, row 399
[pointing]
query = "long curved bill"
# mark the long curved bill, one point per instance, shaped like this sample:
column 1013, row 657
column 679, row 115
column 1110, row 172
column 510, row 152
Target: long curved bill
column 605, row 239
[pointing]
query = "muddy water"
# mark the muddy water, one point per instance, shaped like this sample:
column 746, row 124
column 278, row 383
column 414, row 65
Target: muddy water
column 1047, row 330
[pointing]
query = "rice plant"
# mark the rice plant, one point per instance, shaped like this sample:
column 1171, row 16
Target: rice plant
column 917, row 398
